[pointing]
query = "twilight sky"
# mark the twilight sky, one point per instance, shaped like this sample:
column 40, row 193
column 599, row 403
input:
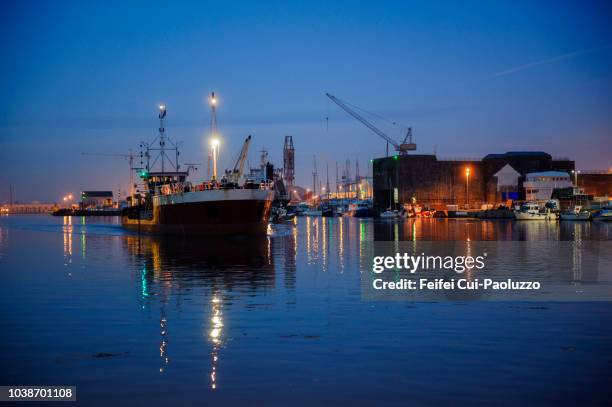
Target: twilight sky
column 470, row 77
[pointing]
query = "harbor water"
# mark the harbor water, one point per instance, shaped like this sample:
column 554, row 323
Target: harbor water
column 135, row 320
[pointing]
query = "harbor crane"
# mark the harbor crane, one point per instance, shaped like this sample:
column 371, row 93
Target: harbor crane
column 129, row 157
column 235, row 174
column 402, row 148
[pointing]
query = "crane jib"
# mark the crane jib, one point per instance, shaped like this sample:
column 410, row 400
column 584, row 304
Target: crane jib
column 402, row 148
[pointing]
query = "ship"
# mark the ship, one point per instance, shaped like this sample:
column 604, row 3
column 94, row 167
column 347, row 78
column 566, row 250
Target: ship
column 168, row 203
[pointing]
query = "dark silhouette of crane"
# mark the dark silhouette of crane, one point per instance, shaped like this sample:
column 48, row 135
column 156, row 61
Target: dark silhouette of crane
column 402, row 148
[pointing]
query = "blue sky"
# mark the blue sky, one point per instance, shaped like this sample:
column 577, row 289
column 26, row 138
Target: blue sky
column 471, row 78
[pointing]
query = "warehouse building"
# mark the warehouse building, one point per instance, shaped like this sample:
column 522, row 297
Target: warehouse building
column 437, row 183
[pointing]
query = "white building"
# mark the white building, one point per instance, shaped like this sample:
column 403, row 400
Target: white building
column 507, row 182
column 539, row 186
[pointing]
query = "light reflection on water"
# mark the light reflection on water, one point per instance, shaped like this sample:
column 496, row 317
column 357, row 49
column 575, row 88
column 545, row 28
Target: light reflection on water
column 276, row 318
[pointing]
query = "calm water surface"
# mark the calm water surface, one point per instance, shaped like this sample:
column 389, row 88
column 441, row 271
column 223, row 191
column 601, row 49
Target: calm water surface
column 135, row 320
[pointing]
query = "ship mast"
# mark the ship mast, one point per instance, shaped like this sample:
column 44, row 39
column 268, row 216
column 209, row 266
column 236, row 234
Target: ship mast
column 162, row 130
column 162, row 156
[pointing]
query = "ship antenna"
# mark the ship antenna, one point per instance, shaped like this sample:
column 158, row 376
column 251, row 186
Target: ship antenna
column 162, row 141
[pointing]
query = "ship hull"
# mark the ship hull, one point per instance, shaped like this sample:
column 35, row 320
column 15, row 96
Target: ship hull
column 240, row 212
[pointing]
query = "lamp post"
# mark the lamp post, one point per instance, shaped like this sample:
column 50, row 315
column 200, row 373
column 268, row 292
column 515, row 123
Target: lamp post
column 467, row 186
column 576, row 172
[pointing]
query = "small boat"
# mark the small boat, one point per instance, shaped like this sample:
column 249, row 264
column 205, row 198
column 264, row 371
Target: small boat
column 328, row 211
column 458, row 214
column 291, row 211
column 576, row 214
column 532, row 211
column 313, row 211
column 280, row 215
column 426, row 213
column 391, row 214
column 360, row 209
column 300, row 209
column 603, row 215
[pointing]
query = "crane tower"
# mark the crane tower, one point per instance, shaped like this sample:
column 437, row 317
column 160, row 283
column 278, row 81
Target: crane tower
column 289, row 161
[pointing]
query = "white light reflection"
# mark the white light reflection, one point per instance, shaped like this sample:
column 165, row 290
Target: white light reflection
column 214, row 336
column 67, row 231
column 163, row 346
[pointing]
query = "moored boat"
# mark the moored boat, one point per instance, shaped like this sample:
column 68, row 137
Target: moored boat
column 532, row 211
column 603, row 215
column 313, row 211
column 360, row 209
column 328, row 211
column 575, row 214
column 391, row 214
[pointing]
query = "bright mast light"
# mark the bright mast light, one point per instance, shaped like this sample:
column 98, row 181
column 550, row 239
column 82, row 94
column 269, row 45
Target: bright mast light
column 214, row 142
column 214, row 145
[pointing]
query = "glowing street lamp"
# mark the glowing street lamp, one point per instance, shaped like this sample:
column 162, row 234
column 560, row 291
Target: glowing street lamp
column 67, row 198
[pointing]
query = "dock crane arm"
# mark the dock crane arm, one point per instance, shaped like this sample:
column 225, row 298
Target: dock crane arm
column 239, row 166
column 109, row 155
column 130, row 158
column 364, row 121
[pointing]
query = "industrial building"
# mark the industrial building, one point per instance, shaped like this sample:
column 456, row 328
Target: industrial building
column 437, row 183
column 96, row 199
column 596, row 183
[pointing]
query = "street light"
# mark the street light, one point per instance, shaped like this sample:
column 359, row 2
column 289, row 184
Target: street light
column 467, row 186
column 67, row 198
column 576, row 172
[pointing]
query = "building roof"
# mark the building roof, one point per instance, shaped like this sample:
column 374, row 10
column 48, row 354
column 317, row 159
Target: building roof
column 97, row 194
column 509, row 154
column 547, row 174
column 507, row 170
